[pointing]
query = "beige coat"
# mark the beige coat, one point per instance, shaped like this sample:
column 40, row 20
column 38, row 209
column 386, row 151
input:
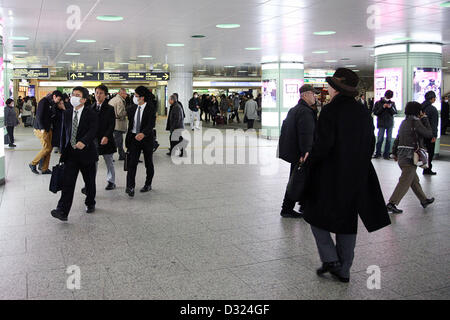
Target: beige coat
column 121, row 113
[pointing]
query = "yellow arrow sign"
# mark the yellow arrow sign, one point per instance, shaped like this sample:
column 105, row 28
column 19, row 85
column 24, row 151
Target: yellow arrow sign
column 166, row 76
column 73, row 76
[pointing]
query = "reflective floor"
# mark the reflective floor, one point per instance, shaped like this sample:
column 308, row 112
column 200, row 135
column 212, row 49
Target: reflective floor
column 207, row 232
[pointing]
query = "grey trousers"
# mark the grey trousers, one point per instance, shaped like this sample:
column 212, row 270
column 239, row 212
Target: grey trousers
column 111, row 173
column 408, row 179
column 343, row 251
column 118, row 137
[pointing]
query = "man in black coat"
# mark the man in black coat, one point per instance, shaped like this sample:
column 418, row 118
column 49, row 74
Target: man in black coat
column 175, row 125
column 343, row 183
column 445, row 115
column 433, row 116
column 385, row 110
column 105, row 134
column 296, row 139
column 43, row 130
column 194, row 107
column 78, row 152
column 141, row 122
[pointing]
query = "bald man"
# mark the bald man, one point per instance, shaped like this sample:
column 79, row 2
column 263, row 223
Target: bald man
column 118, row 102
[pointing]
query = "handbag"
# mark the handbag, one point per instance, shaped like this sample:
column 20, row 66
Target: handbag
column 125, row 162
column 296, row 187
column 245, row 119
column 56, row 181
column 420, row 154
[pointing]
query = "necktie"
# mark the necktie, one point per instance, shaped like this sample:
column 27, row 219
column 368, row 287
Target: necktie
column 73, row 138
column 138, row 121
column 98, row 108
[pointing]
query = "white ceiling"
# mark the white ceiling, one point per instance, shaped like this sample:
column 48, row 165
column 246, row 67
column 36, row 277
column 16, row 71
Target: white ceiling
column 277, row 26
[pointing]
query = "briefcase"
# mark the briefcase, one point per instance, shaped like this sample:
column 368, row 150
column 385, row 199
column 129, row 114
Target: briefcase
column 125, row 162
column 297, row 183
column 56, row 181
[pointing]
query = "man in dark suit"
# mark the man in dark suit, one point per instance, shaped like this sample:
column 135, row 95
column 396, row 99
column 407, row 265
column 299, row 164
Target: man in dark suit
column 142, row 119
column 78, row 152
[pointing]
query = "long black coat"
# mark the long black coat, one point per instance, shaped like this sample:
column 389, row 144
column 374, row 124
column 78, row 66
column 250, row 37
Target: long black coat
column 106, row 125
column 343, row 182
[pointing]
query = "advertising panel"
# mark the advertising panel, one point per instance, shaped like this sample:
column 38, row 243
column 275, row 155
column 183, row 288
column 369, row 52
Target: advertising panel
column 427, row 79
column 291, row 94
column 269, row 94
column 390, row 79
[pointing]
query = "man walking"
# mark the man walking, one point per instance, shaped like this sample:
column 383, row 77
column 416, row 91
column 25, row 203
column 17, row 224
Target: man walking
column 385, row 110
column 433, row 116
column 78, row 152
column 296, row 139
column 43, row 130
column 119, row 105
column 194, row 106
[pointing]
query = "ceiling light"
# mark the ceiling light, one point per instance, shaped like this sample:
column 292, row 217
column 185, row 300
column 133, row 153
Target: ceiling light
column 402, row 39
column 320, row 52
column 19, row 46
column 201, row 70
column 242, row 71
column 19, row 38
column 445, row 4
column 330, row 61
column 72, row 54
column 144, row 56
column 252, row 49
column 124, row 63
column 355, row 70
column 175, row 45
column 179, row 65
column 228, row 25
column 345, row 59
column 324, row 33
column 351, row 66
column 209, row 58
column 229, row 67
column 19, row 52
column 64, row 62
column 109, row 18
column 10, row 12
column 86, row 41
column 198, row 36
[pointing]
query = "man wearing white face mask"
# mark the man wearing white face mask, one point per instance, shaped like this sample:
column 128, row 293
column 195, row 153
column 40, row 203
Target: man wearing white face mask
column 78, row 152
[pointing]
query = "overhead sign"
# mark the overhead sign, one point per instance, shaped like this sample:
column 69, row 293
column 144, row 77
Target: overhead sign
column 118, row 76
column 31, row 73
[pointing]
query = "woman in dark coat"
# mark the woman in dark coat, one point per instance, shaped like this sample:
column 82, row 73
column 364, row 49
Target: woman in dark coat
column 11, row 121
column 343, row 183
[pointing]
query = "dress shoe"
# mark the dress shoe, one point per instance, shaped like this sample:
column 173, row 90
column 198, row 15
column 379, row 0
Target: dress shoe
column 110, row 186
column 429, row 173
column 58, row 214
column 90, row 209
column 336, row 275
column 146, row 189
column 328, row 266
column 83, row 190
column 376, row 156
column 12, row 145
column 33, row 169
column 427, row 202
column 47, row 172
column 130, row 191
column 291, row 214
column 393, row 208
column 156, row 146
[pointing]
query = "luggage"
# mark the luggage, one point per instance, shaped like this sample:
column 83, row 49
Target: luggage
column 29, row 121
column 221, row 120
column 56, row 181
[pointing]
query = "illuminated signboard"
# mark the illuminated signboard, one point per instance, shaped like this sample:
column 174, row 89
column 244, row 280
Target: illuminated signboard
column 427, row 79
column 31, row 73
column 118, row 76
column 291, row 94
column 389, row 79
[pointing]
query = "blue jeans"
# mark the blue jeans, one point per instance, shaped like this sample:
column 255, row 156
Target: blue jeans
column 387, row 147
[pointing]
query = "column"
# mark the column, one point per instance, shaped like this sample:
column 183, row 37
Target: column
column 181, row 82
column 409, row 70
column 281, row 82
column 3, row 86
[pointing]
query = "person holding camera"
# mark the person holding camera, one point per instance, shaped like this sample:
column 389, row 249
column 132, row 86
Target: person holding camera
column 385, row 110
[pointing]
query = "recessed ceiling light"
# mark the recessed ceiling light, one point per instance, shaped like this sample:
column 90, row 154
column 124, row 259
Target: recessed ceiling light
column 209, row 58
column 144, row 56
column 198, row 36
column 19, row 52
column 229, row 67
column 86, row 41
column 357, row 46
column 64, row 62
column 175, row 45
column 355, row 70
column 330, row 61
column 124, row 63
column 201, row 70
column 19, row 38
column 351, row 66
column 179, row 65
column 228, row 25
column 72, row 54
column 324, row 33
column 109, row 18
column 345, row 59
column 320, row 52
column 253, row 49
column 242, row 71
column 445, row 4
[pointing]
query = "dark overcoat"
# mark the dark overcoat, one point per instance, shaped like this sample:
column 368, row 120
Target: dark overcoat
column 342, row 182
column 106, row 125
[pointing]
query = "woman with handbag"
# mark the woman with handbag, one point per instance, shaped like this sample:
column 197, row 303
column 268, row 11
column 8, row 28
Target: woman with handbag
column 409, row 151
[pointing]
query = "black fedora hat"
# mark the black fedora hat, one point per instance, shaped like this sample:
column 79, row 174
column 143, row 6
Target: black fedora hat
column 345, row 81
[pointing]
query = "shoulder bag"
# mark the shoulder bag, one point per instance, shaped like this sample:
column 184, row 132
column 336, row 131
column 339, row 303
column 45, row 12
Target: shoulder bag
column 420, row 154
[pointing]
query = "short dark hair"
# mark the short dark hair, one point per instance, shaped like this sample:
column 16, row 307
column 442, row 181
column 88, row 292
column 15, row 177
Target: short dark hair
column 389, row 94
column 143, row 92
column 413, row 108
column 57, row 93
column 83, row 91
column 9, row 101
column 65, row 96
column 103, row 88
column 195, row 93
column 430, row 95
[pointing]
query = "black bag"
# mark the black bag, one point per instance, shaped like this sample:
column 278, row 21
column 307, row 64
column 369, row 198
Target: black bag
column 56, row 181
column 125, row 162
column 245, row 119
column 297, row 183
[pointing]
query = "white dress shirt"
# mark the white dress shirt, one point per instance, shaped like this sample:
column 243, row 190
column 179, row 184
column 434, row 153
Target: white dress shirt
column 135, row 117
column 79, row 114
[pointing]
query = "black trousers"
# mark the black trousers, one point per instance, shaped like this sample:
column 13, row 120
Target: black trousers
column 250, row 124
column 288, row 204
column 430, row 149
column 71, row 170
column 10, row 130
column 135, row 149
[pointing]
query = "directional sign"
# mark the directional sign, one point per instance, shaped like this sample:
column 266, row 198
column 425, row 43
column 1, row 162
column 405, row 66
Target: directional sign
column 119, row 76
column 84, row 76
column 31, row 73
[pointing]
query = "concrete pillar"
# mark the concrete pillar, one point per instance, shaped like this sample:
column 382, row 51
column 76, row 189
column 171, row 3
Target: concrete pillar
column 3, row 87
column 181, row 82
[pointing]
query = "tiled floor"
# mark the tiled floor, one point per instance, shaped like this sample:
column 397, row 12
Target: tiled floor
column 207, row 232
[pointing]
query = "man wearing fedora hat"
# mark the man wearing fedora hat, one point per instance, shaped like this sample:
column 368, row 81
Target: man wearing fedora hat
column 343, row 183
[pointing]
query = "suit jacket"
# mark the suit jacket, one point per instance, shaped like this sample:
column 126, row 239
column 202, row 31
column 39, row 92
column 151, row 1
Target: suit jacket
column 86, row 133
column 106, row 125
column 147, row 124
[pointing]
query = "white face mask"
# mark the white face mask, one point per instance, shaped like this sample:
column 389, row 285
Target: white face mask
column 135, row 100
column 75, row 101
